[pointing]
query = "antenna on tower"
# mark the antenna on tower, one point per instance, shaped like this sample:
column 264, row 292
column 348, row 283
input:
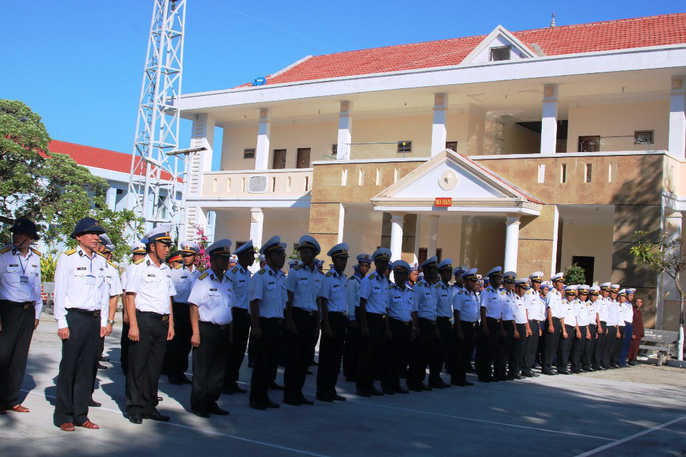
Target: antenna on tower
column 158, row 168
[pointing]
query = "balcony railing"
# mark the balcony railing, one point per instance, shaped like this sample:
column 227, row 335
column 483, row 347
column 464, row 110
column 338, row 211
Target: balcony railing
column 259, row 184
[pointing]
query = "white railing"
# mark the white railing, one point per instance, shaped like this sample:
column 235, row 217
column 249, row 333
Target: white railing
column 286, row 183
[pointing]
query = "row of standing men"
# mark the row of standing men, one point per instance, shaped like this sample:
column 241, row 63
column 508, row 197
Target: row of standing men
column 388, row 329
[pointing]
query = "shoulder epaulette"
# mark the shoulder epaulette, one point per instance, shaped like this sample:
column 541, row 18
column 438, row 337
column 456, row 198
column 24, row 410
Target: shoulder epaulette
column 328, row 275
column 298, row 267
column 138, row 261
column 203, row 276
column 111, row 263
column 460, row 292
column 36, row 251
column 437, row 286
column 502, row 292
column 261, row 272
column 371, row 277
column 235, row 270
column 5, row 249
column 101, row 254
column 70, row 252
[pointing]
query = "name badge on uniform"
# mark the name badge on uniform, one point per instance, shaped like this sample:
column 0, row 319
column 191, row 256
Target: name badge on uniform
column 90, row 280
column 304, row 281
column 23, row 279
column 396, row 298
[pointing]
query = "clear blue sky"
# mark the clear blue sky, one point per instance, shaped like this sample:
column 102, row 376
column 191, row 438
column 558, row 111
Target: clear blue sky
column 79, row 63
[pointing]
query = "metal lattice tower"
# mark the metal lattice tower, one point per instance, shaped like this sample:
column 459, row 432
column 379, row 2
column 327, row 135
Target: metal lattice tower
column 157, row 168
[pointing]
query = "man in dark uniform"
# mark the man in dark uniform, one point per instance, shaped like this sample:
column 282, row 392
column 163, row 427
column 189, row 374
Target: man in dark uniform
column 20, row 308
column 267, row 303
column 491, row 311
column 444, row 313
column 466, row 314
column 425, row 302
column 240, row 310
column 81, row 308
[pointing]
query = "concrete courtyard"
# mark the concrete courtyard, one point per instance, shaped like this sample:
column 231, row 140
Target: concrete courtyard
column 632, row 411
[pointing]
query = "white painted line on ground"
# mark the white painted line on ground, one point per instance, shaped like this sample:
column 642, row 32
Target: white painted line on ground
column 630, row 438
column 482, row 421
column 205, row 431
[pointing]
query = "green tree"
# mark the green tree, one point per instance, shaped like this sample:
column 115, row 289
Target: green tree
column 575, row 274
column 50, row 188
column 663, row 255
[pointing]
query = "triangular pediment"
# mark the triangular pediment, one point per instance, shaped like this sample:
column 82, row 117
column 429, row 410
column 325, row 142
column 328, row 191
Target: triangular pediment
column 499, row 38
column 449, row 175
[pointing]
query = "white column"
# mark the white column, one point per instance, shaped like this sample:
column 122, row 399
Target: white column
column 417, row 233
column 345, row 122
column 256, row 229
column 677, row 117
column 111, row 198
column 263, row 136
column 549, row 119
column 511, row 243
column 556, row 229
column 433, row 236
column 396, row 236
column 341, row 222
column 439, row 133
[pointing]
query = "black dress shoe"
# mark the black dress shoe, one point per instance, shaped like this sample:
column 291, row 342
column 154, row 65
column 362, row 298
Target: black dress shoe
column 258, row 405
column 415, row 388
column 400, row 390
column 324, row 397
column 101, row 366
column 175, row 380
column 159, row 399
column 291, row 401
column 425, row 387
column 104, row 359
column 305, row 401
column 548, row 372
column 270, row 404
column 388, row 391
column 375, row 392
column 185, row 380
column 484, row 379
column 562, row 372
column 199, row 413
column 275, row 386
column 437, row 384
column 215, row 409
column 364, row 393
column 467, row 383
column 94, row 404
column 337, row 397
column 135, row 419
column 156, row 416
column 236, row 388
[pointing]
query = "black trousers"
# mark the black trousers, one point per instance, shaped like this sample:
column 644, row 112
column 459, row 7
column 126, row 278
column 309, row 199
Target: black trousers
column 517, row 353
column 610, row 342
column 298, row 354
column 178, row 348
column 462, row 353
column 330, row 355
column 77, row 369
column 486, row 348
column 395, row 353
column 531, row 347
column 552, row 341
column 505, row 344
column 209, row 365
column 15, row 339
column 587, row 356
column 420, row 353
column 125, row 342
column 146, row 357
column 241, row 331
column 578, row 348
column 599, row 350
column 266, row 358
column 442, row 347
column 564, row 350
column 618, row 342
column 371, row 358
column 352, row 349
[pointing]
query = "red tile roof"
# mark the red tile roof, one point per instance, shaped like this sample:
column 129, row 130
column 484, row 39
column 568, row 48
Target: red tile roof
column 570, row 39
column 95, row 157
